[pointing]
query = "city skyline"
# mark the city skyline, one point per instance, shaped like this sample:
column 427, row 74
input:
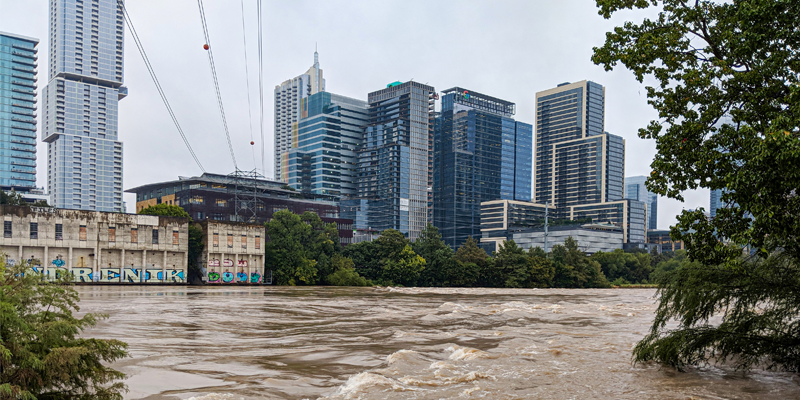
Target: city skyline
column 520, row 68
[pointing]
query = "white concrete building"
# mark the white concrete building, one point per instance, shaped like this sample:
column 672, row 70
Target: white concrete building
column 97, row 246
column 233, row 253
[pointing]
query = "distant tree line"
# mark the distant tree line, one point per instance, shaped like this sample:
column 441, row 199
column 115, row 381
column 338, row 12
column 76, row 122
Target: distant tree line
column 303, row 250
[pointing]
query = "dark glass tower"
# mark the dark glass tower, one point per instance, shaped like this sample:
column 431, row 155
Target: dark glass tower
column 480, row 154
column 394, row 170
column 576, row 161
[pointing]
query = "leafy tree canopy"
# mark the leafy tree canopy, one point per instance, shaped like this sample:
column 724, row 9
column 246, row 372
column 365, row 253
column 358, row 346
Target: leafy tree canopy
column 165, row 210
column 724, row 78
column 41, row 352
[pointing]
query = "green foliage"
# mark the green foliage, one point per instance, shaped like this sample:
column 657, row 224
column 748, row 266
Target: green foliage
column 727, row 90
column 402, row 268
column 631, row 267
column 438, row 257
column 165, row 210
column 13, row 198
column 573, row 269
column 365, row 258
column 667, row 266
column 41, row 353
column 541, row 270
column 344, row 273
column 511, row 264
column 300, row 247
column 195, row 248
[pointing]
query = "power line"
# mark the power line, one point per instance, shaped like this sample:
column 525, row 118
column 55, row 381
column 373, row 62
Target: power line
column 216, row 81
column 146, row 60
column 247, row 77
column 261, row 87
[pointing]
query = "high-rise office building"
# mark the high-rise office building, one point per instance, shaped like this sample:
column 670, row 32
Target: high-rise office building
column 322, row 157
column 577, row 162
column 394, row 165
column 289, row 98
column 715, row 202
column 17, row 112
column 635, row 189
column 79, row 119
column 481, row 154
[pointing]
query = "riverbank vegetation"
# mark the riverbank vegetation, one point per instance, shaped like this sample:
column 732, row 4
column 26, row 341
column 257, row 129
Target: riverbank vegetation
column 302, row 250
column 42, row 355
column 724, row 78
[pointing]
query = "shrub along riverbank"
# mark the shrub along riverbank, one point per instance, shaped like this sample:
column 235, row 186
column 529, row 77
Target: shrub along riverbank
column 303, row 250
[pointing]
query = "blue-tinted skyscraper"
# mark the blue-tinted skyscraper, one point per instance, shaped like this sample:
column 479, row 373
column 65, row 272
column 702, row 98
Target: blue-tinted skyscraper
column 395, row 169
column 480, row 154
column 715, row 202
column 17, row 112
column 322, row 156
column 80, row 115
column 635, row 189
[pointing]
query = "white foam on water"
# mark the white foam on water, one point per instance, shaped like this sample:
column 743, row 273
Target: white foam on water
column 365, row 382
column 400, row 355
column 465, row 353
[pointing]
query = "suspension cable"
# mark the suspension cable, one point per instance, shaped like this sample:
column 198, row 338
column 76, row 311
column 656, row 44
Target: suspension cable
column 216, row 81
column 247, row 78
column 261, row 87
column 149, row 66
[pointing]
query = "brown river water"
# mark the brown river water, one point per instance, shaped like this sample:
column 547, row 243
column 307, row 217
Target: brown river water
column 215, row 343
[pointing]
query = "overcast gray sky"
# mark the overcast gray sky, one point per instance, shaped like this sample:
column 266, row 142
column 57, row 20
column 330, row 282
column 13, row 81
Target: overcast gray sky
column 507, row 49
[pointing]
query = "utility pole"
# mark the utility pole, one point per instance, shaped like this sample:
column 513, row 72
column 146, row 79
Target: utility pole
column 546, row 209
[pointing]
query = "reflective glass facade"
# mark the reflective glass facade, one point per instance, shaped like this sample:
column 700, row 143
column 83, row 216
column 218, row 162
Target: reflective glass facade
column 635, row 189
column 18, row 62
column 289, row 96
column 715, row 202
column 322, row 158
column 394, row 161
column 480, row 154
column 79, row 119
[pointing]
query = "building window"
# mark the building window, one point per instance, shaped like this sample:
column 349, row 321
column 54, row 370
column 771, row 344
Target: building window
column 221, row 203
column 112, row 234
column 34, row 230
column 196, row 200
column 230, row 240
column 134, row 235
column 155, row 236
column 258, row 242
column 175, row 237
column 244, row 241
column 82, row 232
column 6, row 229
column 59, row 232
column 216, row 240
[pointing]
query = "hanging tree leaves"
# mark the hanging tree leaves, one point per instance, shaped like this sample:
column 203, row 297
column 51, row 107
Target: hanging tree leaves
column 723, row 77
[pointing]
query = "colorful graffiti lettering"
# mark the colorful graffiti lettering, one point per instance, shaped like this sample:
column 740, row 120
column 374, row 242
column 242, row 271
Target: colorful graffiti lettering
column 241, row 277
column 131, row 275
column 58, row 263
column 255, row 277
column 227, row 277
column 213, row 262
column 176, row 276
column 153, row 275
column 109, row 275
column 242, row 263
column 227, row 262
column 82, row 274
column 213, row 277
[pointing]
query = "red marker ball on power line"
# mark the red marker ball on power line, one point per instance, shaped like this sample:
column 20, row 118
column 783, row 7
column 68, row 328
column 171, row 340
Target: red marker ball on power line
column 205, row 46
column 252, row 142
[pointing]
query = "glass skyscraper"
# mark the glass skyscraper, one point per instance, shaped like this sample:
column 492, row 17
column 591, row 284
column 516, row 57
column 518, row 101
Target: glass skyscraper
column 288, row 98
column 394, row 162
column 18, row 62
column 79, row 119
column 635, row 189
column 322, row 157
column 480, row 154
column 576, row 161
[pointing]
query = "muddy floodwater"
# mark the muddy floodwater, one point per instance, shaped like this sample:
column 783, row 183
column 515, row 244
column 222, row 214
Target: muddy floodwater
column 408, row 343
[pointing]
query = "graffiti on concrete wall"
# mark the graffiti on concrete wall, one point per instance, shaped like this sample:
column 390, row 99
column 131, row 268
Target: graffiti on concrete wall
column 220, row 272
column 113, row 275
